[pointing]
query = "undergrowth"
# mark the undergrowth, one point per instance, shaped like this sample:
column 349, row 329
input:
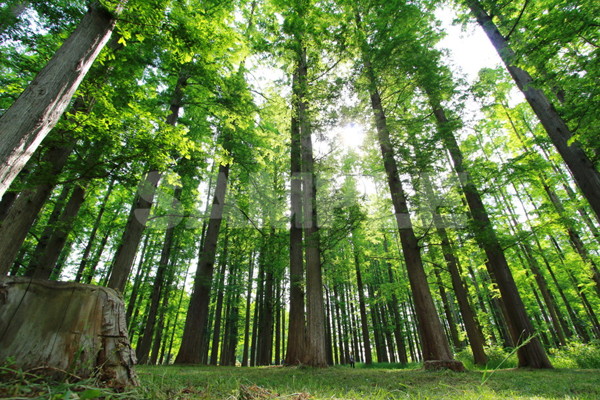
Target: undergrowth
column 576, row 376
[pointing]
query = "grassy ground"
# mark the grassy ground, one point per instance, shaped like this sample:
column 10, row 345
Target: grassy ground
column 194, row 382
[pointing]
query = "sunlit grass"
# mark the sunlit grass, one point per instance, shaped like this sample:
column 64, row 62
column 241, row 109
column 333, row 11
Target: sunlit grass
column 201, row 382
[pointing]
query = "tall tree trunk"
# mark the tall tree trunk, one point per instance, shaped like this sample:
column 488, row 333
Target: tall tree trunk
column 197, row 315
column 26, row 208
column 220, row 293
column 434, row 342
column 140, row 210
column 43, row 266
column 295, row 351
column 582, row 168
column 88, row 248
column 530, row 351
column 37, row 110
column 133, row 231
column 143, row 350
column 265, row 325
column 364, row 323
column 315, row 306
column 246, row 349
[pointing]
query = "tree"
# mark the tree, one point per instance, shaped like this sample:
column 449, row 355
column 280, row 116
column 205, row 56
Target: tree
column 27, row 122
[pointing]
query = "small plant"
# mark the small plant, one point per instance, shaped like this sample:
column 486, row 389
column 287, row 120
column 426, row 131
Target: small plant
column 16, row 383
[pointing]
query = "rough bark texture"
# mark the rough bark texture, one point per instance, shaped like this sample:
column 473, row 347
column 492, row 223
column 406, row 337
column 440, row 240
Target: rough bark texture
column 37, row 110
column 70, row 327
column 582, row 168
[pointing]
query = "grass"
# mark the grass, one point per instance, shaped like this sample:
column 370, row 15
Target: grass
column 576, row 376
column 200, row 382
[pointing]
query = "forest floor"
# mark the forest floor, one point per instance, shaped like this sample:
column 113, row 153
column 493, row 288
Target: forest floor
column 262, row 383
column 382, row 382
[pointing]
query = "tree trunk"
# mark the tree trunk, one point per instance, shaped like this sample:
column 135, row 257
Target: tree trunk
column 197, row 315
column 582, row 168
column 27, row 122
column 315, row 306
column 295, row 352
column 246, row 349
column 26, row 208
column 56, row 326
column 220, row 292
column 134, row 230
column 143, row 350
column 364, row 323
column 530, row 351
column 43, row 266
column 88, row 248
column 433, row 340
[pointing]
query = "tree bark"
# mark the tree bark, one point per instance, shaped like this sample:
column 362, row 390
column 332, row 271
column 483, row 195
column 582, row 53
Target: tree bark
column 26, row 208
column 37, row 110
column 530, row 351
column 58, row 326
column 364, row 322
column 197, row 315
column 433, row 340
column 315, row 306
column 295, row 352
column 43, row 266
column 134, row 229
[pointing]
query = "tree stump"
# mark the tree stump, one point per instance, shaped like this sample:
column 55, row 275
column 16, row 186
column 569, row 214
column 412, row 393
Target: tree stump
column 65, row 327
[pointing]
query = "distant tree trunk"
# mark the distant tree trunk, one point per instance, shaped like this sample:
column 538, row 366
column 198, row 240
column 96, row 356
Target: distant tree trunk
column 582, row 168
column 265, row 326
column 530, row 351
column 197, row 315
column 26, row 208
column 364, row 323
column 295, row 352
column 88, row 248
column 246, row 349
column 43, row 266
column 220, row 293
column 472, row 327
column 143, row 350
column 37, row 110
column 140, row 276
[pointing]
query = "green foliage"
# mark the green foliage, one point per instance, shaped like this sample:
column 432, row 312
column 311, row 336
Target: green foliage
column 577, row 355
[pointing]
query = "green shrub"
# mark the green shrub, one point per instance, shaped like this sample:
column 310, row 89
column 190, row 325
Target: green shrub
column 578, row 355
column 497, row 358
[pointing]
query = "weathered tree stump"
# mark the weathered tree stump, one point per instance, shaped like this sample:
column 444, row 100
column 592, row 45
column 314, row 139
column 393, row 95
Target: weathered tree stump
column 69, row 327
column 436, row 365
